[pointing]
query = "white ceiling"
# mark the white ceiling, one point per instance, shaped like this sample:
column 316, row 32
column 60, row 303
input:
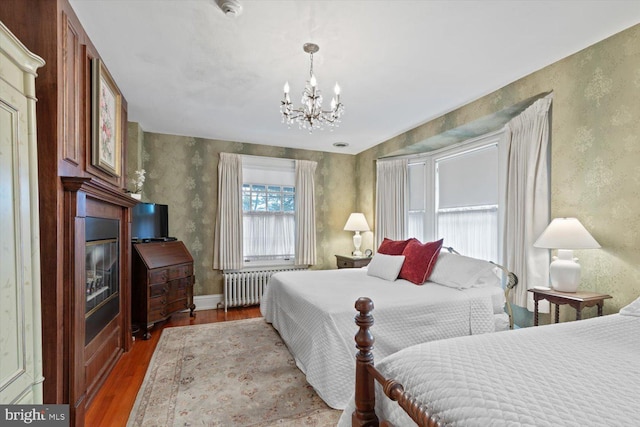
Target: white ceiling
column 187, row 69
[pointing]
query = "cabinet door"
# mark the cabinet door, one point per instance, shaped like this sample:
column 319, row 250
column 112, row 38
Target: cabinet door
column 20, row 334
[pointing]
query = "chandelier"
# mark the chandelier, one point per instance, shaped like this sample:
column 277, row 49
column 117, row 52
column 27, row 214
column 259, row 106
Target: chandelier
column 311, row 115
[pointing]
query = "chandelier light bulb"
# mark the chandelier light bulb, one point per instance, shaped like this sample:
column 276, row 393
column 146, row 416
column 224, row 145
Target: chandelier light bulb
column 286, row 87
column 312, row 81
column 336, row 89
column 333, row 103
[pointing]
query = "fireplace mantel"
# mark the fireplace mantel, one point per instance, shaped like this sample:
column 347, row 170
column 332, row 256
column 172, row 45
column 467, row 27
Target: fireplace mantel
column 98, row 190
column 89, row 363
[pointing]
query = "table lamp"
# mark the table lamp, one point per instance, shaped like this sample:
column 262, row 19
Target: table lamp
column 357, row 223
column 565, row 235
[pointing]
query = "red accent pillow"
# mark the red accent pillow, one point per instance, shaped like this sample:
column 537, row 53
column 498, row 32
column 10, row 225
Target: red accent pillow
column 419, row 260
column 394, row 247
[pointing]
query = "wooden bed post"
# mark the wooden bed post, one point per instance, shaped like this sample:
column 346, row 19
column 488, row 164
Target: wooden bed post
column 365, row 398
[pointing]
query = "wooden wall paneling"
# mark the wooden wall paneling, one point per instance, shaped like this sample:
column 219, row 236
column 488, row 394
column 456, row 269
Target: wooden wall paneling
column 72, row 66
column 101, row 355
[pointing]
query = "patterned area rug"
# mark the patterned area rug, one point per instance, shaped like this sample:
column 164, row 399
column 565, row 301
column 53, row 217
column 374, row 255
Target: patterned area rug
column 236, row 373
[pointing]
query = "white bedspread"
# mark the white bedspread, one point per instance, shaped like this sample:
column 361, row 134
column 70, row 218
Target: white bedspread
column 314, row 313
column 576, row 374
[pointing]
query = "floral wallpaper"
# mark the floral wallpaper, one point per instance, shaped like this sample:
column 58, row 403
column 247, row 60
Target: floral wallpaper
column 182, row 172
column 595, row 155
column 595, row 168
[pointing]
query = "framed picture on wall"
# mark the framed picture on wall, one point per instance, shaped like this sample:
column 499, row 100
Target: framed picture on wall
column 106, row 126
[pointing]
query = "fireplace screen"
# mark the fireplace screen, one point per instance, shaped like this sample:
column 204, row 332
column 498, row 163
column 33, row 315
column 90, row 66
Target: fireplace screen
column 102, row 275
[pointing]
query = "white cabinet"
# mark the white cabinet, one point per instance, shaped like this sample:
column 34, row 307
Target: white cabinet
column 20, row 314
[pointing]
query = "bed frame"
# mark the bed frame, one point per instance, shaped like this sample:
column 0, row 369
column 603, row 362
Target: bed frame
column 367, row 374
column 511, row 282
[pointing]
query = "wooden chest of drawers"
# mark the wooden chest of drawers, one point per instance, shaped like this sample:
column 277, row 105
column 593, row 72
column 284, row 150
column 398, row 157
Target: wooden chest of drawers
column 162, row 282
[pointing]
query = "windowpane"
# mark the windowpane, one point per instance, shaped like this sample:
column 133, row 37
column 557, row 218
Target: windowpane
column 274, row 188
column 259, row 202
column 289, row 203
column 275, row 202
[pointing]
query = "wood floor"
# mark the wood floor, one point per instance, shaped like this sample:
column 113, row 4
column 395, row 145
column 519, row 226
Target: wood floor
column 115, row 399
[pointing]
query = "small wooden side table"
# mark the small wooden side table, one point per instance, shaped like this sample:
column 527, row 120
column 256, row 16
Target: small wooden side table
column 577, row 300
column 352, row 262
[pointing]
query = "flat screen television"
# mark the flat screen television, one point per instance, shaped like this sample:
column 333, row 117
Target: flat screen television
column 150, row 221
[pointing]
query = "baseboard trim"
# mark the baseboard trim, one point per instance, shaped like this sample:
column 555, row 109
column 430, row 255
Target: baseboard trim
column 207, row 302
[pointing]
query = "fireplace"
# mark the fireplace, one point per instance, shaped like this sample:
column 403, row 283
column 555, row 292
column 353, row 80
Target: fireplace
column 97, row 287
column 102, row 274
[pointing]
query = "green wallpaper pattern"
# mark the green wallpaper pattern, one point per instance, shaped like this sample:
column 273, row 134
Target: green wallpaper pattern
column 595, row 161
column 182, row 172
column 595, row 155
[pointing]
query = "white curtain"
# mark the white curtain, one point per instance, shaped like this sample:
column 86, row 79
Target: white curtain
column 279, row 241
column 526, row 140
column 391, row 199
column 227, row 247
column 305, row 213
column 471, row 232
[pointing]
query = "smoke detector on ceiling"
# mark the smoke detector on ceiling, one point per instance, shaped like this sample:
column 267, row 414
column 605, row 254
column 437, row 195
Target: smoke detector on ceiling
column 231, row 8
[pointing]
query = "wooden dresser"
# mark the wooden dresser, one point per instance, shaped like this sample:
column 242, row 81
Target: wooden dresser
column 162, row 282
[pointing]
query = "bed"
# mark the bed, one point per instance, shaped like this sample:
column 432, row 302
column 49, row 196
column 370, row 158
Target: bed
column 582, row 373
column 313, row 312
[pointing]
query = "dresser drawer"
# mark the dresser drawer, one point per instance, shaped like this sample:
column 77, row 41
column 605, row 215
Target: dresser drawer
column 158, row 289
column 156, row 315
column 158, row 303
column 178, row 288
column 158, row 276
column 180, row 271
column 178, row 305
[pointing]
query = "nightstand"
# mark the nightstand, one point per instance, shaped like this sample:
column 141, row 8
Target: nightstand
column 577, row 300
column 352, row 262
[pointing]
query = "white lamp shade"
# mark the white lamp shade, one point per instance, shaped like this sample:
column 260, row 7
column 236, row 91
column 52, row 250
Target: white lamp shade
column 356, row 222
column 566, row 233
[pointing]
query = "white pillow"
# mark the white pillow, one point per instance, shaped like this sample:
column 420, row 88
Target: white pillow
column 384, row 266
column 632, row 309
column 461, row 272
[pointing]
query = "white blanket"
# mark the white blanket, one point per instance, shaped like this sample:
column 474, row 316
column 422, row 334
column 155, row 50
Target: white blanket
column 577, row 374
column 314, row 313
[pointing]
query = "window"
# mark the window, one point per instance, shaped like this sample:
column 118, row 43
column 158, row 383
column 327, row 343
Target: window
column 467, row 201
column 268, row 210
column 455, row 194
